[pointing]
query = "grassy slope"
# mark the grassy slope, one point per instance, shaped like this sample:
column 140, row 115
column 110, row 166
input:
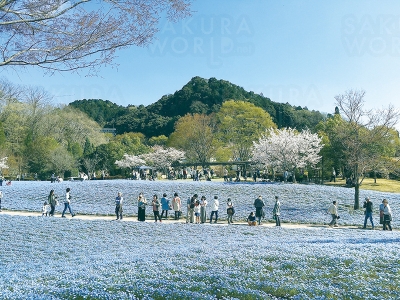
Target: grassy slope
column 381, row 185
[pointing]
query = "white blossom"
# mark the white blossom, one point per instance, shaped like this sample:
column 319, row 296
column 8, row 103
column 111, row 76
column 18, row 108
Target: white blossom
column 162, row 158
column 130, row 161
column 3, row 163
column 287, row 149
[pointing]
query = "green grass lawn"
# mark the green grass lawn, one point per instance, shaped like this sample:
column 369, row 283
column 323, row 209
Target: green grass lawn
column 381, row 185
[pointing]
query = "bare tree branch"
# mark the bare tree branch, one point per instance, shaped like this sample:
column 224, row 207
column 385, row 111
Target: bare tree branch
column 61, row 35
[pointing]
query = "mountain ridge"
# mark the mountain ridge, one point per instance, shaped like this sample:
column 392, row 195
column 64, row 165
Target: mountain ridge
column 199, row 95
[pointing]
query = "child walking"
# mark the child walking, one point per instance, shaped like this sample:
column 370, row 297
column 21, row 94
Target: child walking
column 45, row 209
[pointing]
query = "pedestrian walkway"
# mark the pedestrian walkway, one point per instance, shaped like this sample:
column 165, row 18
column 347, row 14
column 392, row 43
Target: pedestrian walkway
column 149, row 219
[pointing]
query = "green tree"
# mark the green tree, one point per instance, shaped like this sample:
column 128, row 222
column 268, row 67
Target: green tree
column 2, row 137
column 332, row 152
column 239, row 124
column 160, row 140
column 105, row 155
column 38, row 154
column 60, row 160
column 194, row 134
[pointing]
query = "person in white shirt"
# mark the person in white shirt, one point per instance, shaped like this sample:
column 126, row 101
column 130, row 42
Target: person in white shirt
column 197, row 211
column 67, row 203
column 387, row 216
column 45, row 209
column 203, row 209
column 334, row 213
column 176, row 206
column 214, row 209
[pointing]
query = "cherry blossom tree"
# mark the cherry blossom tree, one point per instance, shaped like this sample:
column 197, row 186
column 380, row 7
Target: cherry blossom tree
column 67, row 35
column 3, row 163
column 287, row 149
column 130, row 161
column 162, row 158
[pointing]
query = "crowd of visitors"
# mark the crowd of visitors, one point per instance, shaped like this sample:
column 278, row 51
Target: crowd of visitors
column 197, row 209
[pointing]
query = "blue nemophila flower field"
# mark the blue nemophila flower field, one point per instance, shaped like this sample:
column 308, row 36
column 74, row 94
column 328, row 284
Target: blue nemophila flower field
column 299, row 203
column 54, row 258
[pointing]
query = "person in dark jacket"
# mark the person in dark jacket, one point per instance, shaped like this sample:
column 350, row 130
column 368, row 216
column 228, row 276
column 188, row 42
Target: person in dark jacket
column 276, row 212
column 51, row 199
column 118, row 205
column 142, row 202
column 251, row 219
column 259, row 204
column 156, row 208
column 368, row 212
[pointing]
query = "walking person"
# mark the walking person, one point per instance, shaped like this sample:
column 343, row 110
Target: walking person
column 176, row 206
column 142, row 202
column 156, row 208
column 45, row 209
column 225, row 174
column 214, row 209
column 203, row 210
column 381, row 210
column 387, row 216
column 52, row 200
column 276, row 212
column 230, row 210
column 67, row 203
column 118, row 205
column 259, row 204
column 334, row 213
column 190, row 208
column 165, row 205
column 368, row 212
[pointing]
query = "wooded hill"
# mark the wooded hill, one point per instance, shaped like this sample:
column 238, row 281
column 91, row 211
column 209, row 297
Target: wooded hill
column 199, row 95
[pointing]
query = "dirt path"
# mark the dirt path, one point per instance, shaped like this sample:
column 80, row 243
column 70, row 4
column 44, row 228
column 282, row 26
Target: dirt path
column 170, row 221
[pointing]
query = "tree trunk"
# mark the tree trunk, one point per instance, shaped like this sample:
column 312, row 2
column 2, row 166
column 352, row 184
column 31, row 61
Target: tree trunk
column 356, row 195
column 374, row 176
column 294, row 175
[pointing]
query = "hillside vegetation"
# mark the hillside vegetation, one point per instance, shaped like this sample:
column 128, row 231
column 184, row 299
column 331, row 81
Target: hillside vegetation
column 199, row 95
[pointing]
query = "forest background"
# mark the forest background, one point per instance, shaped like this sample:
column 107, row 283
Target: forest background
column 210, row 120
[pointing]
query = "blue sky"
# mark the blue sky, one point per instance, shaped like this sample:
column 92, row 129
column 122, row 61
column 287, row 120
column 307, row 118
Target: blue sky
column 300, row 52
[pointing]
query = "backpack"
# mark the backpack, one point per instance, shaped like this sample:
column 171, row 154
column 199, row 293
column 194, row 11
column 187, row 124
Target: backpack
column 230, row 211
